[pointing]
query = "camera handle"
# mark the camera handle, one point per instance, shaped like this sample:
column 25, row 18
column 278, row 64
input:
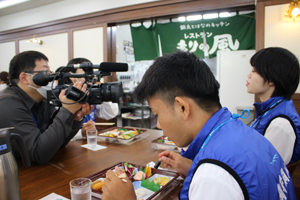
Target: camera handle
column 75, row 94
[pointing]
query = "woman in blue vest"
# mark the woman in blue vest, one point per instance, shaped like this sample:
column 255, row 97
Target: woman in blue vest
column 275, row 78
column 225, row 159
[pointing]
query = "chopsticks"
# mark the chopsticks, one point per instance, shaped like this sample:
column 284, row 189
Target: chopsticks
column 157, row 164
column 104, row 124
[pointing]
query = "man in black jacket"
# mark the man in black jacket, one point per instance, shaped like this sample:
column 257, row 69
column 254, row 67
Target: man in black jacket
column 23, row 106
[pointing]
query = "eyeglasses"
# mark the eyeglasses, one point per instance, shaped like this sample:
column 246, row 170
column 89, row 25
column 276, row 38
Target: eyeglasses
column 47, row 71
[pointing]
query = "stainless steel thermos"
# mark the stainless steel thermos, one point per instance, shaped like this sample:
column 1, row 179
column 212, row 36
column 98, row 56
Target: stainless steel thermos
column 9, row 174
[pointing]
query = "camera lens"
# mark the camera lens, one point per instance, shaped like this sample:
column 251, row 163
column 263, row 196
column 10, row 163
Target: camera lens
column 112, row 91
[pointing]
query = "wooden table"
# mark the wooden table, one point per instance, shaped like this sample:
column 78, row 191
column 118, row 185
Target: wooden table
column 74, row 161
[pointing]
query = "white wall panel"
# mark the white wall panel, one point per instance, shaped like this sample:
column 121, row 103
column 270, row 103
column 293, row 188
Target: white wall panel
column 88, row 43
column 233, row 68
column 55, row 47
column 7, row 52
column 281, row 31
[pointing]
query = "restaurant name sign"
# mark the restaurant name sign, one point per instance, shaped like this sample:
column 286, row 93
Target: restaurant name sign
column 202, row 37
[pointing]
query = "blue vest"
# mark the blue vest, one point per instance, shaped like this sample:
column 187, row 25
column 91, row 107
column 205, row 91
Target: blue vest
column 235, row 147
column 284, row 109
column 91, row 116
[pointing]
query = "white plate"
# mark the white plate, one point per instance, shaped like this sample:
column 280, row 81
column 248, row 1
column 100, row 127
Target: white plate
column 165, row 146
column 125, row 141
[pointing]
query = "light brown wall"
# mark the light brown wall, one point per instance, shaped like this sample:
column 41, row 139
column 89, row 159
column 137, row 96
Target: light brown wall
column 260, row 36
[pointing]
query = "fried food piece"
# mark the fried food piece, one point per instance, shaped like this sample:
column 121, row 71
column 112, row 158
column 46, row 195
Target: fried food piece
column 97, row 185
column 161, row 180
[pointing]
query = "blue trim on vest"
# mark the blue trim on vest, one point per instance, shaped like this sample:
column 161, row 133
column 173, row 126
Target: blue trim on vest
column 264, row 113
column 285, row 108
column 261, row 180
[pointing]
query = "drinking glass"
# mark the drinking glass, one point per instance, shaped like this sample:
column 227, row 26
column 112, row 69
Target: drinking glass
column 91, row 137
column 81, row 189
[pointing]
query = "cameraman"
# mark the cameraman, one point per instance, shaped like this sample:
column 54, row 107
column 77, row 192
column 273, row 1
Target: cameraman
column 24, row 107
column 106, row 110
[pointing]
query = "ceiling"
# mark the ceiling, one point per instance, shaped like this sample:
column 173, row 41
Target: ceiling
column 25, row 6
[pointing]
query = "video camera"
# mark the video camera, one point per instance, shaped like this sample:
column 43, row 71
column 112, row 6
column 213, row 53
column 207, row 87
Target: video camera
column 112, row 91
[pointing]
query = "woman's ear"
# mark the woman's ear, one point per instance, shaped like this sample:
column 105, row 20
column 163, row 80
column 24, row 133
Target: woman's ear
column 271, row 83
column 183, row 107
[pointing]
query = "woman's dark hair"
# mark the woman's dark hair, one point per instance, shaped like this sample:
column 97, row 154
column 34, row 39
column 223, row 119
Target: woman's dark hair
column 180, row 74
column 4, row 77
column 22, row 62
column 77, row 61
column 73, row 62
column 280, row 66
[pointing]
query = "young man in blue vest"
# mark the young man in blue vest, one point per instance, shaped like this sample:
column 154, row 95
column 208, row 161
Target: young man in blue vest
column 225, row 159
column 275, row 78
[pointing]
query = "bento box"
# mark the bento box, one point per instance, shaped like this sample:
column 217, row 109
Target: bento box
column 120, row 135
column 148, row 188
column 163, row 143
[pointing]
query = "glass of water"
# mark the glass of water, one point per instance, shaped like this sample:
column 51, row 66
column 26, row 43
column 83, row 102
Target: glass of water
column 81, row 189
column 91, row 137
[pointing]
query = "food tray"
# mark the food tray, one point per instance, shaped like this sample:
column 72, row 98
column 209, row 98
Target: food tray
column 129, row 141
column 172, row 184
column 164, row 146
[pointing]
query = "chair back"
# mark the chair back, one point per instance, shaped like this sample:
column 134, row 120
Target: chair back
column 292, row 167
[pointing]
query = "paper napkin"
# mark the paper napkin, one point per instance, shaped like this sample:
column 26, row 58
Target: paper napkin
column 96, row 148
column 54, row 196
column 152, row 164
column 78, row 136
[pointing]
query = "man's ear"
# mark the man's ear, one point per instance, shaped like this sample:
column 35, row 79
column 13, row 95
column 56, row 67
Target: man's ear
column 23, row 77
column 183, row 107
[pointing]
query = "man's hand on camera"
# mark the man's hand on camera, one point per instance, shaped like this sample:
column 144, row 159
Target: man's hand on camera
column 73, row 108
column 85, row 110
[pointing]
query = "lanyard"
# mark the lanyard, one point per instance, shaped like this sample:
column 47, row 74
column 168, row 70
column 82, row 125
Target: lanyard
column 234, row 116
column 37, row 125
column 271, row 107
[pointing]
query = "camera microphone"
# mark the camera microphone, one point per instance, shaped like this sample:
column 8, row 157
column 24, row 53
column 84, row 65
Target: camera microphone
column 104, row 66
column 113, row 67
column 42, row 78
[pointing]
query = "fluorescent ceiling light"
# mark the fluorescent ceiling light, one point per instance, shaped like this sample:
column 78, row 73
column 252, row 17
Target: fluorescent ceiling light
column 193, row 17
column 227, row 14
column 245, row 12
column 7, row 3
column 181, row 19
column 137, row 24
column 163, row 21
column 210, row 16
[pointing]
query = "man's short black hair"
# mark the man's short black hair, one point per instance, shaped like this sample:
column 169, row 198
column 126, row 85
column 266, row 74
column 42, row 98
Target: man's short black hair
column 280, row 66
column 24, row 61
column 180, row 74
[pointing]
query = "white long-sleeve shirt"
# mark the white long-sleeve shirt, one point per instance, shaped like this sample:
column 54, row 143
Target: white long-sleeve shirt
column 212, row 182
column 281, row 134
